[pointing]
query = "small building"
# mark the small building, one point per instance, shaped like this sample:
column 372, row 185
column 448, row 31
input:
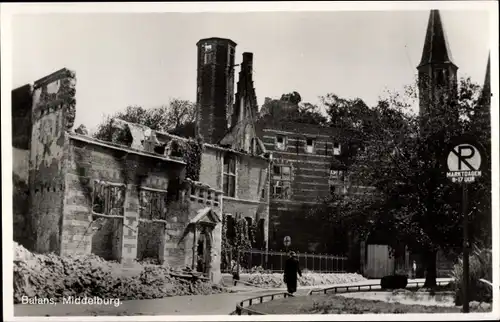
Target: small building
column 118, row 201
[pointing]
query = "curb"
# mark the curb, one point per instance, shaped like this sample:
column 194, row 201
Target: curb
column 366, row 287
column 242, row 307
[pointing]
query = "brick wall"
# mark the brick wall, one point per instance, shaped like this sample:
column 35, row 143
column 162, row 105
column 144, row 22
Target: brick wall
column 87, row 162
column 250, row 201
column 139, row 238
column 211, row 167
column 150, row 240
column 174, row 251
column 125, row 239
column 309, row 175
column 179, row 241
column 310, row 172
column 52, row 116
column 105, row 239
column 252, row 177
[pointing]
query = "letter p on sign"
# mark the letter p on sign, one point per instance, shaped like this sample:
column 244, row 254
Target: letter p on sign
column 464, row 157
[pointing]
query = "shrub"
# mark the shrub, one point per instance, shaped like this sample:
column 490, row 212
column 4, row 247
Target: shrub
column 480, row 267
column 394, row 282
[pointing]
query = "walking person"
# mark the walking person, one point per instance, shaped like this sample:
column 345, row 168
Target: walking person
column 292, row 268
column 234, row 271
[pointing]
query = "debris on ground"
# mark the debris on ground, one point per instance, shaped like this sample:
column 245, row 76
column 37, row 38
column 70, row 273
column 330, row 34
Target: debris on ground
column 275, row 280
column 52, row 276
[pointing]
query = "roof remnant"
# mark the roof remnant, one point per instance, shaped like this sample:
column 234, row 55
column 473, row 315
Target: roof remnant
column 111, row 145
column 163, row 137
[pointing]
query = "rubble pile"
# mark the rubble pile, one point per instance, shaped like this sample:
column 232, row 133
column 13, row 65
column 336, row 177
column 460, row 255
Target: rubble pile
column 308, row 279
column 52, row 276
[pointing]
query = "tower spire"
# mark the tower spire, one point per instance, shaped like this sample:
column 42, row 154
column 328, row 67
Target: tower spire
column 437, row 73
column 487, row 85
column 436, row 49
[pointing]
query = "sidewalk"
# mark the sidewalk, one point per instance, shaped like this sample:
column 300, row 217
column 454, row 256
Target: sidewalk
column 217, row 304
column 366, row 282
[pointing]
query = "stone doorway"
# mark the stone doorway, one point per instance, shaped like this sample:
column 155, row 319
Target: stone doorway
column 202, row 239
column 204, row 249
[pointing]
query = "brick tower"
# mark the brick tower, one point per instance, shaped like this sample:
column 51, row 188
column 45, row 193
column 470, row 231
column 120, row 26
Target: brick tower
column 215, row 91
column 437, row 74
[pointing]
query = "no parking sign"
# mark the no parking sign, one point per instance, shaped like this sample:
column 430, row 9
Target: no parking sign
column 287, row 241
column 464, row 162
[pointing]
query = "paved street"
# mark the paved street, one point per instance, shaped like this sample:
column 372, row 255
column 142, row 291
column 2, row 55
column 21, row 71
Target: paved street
column 217, row 304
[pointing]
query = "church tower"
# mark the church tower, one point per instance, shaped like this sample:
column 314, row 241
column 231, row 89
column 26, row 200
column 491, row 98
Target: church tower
column 215, row 90
column 437, row 74
column 481, row 119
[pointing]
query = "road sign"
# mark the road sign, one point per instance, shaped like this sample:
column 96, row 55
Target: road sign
column 287, row 241
column 464, row 163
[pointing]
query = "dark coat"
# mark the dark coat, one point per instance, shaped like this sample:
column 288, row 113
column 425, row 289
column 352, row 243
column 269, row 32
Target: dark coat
column 290, row 275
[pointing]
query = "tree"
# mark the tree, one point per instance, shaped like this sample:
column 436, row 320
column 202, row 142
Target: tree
column 352, row 117
column 401, row 155
column 176, row 118
column 180, row 113
column 236, row 237
column 309, row 114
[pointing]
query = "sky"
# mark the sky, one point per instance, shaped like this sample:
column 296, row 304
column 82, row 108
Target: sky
column 147, row 59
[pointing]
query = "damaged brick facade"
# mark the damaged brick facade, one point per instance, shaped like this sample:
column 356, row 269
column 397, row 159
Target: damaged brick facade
column 52, row 115
column 300, row 173
column 129, row 199
column 114, row 200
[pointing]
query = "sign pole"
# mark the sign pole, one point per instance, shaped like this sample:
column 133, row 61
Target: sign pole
column 286, row 242
column 465, row 164
column 465, row 276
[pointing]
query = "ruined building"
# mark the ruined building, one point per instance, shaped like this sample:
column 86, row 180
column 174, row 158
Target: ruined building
column 129, row 199
column 136, row 197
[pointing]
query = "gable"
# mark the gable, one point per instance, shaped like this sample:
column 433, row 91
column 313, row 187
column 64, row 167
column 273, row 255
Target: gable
column 238, row 136
column 206, row 215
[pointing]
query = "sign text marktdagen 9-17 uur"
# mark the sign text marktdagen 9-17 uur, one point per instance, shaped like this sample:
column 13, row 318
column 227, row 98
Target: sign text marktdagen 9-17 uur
column 464, row 163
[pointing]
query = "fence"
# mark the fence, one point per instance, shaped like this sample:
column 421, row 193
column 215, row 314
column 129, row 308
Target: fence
column 242, row 308
column 275, row 261
column 370, row 287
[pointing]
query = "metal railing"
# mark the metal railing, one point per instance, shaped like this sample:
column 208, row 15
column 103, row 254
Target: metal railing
column 242, row 307
column 274, row 261
column 365, row 287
